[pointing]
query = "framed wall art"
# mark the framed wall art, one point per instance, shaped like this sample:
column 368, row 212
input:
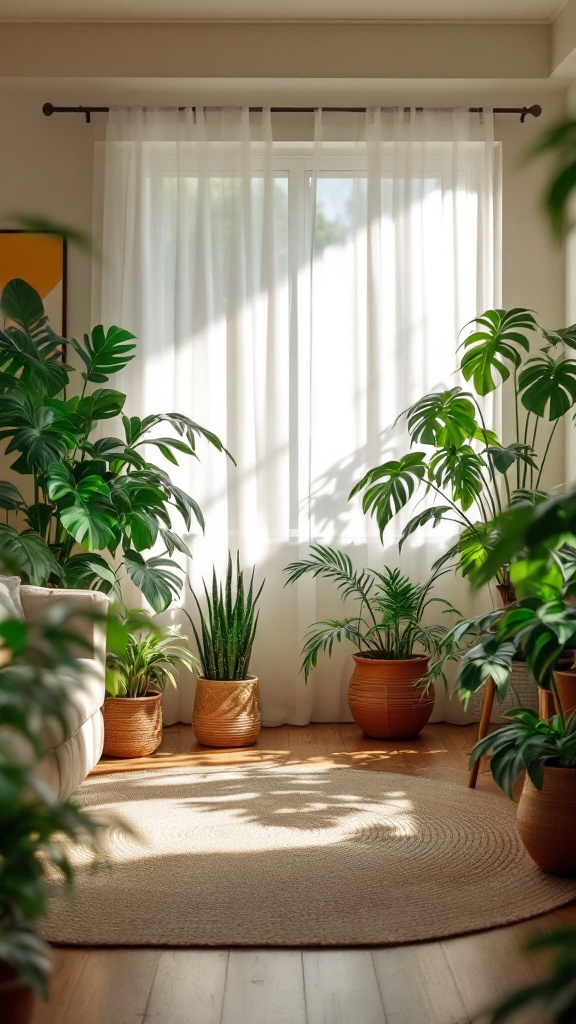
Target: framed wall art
column 39, row 259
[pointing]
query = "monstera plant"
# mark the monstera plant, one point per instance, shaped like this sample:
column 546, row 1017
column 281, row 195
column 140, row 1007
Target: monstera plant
column 94, row 506
column 471, row 474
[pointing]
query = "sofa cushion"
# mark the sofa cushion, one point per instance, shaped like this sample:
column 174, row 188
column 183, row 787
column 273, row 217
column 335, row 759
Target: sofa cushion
column 10, row 603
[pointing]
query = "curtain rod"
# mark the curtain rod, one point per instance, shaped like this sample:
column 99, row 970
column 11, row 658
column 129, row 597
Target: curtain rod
column 535, row 110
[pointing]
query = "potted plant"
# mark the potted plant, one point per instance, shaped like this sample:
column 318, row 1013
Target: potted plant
column 227, row 702
column 546, row 751
column 36, row 828
column 471, row 474
column 89, row 493
column 135, row 681
column 392, row 643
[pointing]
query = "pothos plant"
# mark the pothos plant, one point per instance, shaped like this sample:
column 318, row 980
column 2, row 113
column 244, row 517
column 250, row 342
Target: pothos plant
column 93, row 499
column 470, row 473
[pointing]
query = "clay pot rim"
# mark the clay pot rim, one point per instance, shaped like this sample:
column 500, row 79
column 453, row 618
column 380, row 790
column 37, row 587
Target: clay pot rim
column 570, row 672
column 560, row 769
column 392, row 661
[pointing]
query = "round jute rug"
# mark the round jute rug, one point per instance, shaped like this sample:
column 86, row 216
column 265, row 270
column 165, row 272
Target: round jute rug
column 298, row 856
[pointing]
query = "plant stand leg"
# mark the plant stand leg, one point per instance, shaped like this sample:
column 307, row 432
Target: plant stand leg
column 487, row 705
column 546, row 704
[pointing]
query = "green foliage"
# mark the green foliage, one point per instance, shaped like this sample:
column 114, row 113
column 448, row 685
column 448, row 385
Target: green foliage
column 151, row 652
column 391, row 608
column 469, row 476
column 555, row 994
column 36, row 828
column 228, row 627
column 89, row 495
column 528, row 744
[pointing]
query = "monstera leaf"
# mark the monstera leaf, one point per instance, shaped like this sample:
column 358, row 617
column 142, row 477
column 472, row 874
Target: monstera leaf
column 84, row 506
column 104, row 352
column 389, row 487
column 29, row 554
column 157, row 578
column 497, row 347
column 548, row 384
column 443, row 419
column 460, row 470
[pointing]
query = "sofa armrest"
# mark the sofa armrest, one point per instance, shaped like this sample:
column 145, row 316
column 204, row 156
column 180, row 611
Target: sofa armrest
column 37, row 600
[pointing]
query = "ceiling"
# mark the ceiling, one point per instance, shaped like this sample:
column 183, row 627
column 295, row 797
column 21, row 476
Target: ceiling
column 280, row 10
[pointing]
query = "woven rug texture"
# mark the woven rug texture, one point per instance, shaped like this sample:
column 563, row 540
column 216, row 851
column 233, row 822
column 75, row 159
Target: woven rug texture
column 296, row 856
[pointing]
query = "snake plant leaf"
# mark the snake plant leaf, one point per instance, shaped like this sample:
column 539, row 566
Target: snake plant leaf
column 104, row 352
column 30, row 554
column 563, row 336
column 443, row 419
column 546, row 382
column 496, row 348
column 389, row 487
column 156, row 577
column 459, row 470
column 10, row 497
column 433, row 515
column 503, row 457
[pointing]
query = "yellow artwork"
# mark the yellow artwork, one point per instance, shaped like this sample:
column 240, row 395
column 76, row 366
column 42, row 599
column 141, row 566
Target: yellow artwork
column 39, row 259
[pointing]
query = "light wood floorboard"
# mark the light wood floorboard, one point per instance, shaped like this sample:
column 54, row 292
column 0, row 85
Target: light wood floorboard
column 445, row 982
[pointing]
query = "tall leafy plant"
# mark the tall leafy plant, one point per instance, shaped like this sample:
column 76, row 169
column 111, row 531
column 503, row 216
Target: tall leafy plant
column 92, row 499
column 471, row 475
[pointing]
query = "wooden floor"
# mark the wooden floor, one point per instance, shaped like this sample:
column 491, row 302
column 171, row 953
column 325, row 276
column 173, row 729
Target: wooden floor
column 446, row 982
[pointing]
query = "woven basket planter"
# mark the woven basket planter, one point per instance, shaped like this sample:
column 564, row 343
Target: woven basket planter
column 522, row 693
column 227, row 712
column 384, row 700
column 132, row 725
column 547, row 821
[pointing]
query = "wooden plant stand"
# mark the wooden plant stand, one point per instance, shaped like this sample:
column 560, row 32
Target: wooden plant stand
column 546, row 708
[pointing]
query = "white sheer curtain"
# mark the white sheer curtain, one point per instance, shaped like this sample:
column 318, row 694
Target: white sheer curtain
column 295, row 297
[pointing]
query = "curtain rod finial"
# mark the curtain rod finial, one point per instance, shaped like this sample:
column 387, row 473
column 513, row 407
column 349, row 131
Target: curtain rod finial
column 535, row 110
column 48, row 109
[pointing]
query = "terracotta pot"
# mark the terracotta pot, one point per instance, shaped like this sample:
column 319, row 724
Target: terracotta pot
column 132, row 725
column 17, row 1001
column 384, row 700
column 566, row 686
column 227, row 712
column 547, row 821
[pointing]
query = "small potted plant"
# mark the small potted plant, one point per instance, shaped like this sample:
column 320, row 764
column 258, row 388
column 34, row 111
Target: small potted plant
column 135, row 681
column 227, row 703
column 546, row 750
column 392, row 643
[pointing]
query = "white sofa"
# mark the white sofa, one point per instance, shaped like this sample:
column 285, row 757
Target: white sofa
column 69, row 758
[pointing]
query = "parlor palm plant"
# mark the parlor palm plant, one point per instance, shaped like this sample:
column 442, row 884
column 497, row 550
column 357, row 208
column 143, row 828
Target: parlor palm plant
column 389, row 695
column 94, row 499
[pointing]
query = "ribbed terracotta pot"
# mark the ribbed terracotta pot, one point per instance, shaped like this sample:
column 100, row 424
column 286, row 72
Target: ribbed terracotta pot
column 547, row 821
column 384, row 700
column 17, row 1001
column 566, row 686
column 132, row 725
column 227, row 712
